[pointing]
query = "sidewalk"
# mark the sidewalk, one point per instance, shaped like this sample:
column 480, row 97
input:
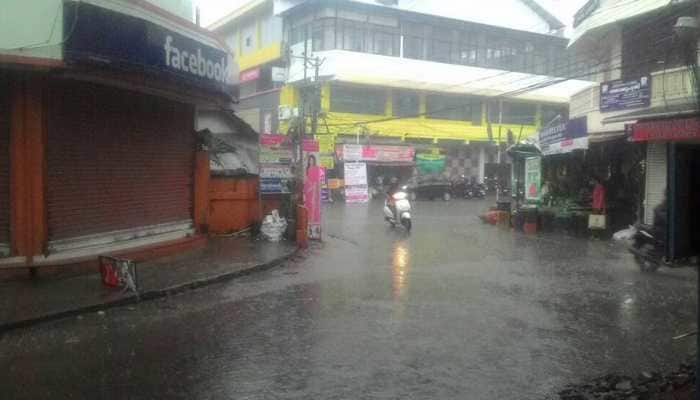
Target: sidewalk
column 28, row 302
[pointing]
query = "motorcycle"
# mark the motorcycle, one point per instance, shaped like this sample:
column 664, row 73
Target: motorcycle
column 475, row 191
column 649, row 251
column 401, row 211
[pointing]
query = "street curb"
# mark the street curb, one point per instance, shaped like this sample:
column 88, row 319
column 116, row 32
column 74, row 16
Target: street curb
column 149, row 295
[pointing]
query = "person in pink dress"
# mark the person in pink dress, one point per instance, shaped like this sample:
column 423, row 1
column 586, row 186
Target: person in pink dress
column 312, row 195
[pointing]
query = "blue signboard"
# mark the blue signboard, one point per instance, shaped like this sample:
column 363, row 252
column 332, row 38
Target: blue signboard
column 99, row 35
column 276, row 185
column 621, row 95
column 567, row 136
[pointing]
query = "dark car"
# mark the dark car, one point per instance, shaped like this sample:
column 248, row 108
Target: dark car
column 430, row 187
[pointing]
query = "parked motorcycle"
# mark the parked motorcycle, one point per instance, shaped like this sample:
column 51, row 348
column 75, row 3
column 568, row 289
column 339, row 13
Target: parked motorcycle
column 397, row 209
column 649, row 251
column 475, row 191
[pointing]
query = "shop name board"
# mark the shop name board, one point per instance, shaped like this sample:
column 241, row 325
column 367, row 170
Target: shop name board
column 352, row 152
column 621, row 95
column 250, row 75
column 126, row 41
column 565, row 137
column 670, row 129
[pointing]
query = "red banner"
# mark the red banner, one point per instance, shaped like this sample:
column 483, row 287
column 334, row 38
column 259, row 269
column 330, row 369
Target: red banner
column 378, row 153
column 667, row 129
column 272, row 140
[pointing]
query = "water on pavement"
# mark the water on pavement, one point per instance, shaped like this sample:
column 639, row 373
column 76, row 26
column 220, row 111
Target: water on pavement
column 455, row 310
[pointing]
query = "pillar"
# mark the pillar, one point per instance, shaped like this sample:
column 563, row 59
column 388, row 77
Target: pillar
column 202, row 175
column 28, row 219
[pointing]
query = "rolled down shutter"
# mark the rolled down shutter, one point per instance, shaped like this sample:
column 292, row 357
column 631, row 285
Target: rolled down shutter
column 117, row 160
column 4, row 166
column 656, row 177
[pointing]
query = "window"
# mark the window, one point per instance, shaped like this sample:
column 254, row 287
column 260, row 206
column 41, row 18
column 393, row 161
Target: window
column 352, row 35
column 519, row 113
column 467, row 49
column 550, row 113
column 406, row 104
column 323, row 34
column 384, row 42
column 413, row 47
column 454, row 108
column 440, row 45
column 358, row 100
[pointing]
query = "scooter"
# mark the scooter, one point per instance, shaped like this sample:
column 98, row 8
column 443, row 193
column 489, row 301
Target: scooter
column 401, row 213
column 649, row 251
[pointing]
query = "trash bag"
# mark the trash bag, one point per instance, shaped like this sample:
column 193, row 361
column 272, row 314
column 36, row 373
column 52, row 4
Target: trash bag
column 625, row 234
column 273, row 226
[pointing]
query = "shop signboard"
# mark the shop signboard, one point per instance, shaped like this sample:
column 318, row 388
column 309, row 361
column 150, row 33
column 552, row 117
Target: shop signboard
column 378, row 153
column 533, row 177
column 327, row 161
column 565, row 137
column 356, row 190
column 625, row 94
column 276, row 171
column 102, row 36
column 250, row 75
column 667, row 129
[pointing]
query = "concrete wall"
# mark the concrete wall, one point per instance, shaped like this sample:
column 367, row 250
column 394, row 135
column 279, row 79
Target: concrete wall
column 31, row 28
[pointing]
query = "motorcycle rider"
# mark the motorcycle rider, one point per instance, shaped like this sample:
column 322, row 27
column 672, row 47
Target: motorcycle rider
column 393, row 188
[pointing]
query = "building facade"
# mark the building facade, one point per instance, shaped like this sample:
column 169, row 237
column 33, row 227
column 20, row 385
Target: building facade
column 454, row 80
column 99, row 152
column 658, row 117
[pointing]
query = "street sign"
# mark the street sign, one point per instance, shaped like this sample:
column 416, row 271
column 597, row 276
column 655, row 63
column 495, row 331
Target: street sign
column 621, row 95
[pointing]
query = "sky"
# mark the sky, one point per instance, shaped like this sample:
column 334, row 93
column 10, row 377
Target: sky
column 212, row 10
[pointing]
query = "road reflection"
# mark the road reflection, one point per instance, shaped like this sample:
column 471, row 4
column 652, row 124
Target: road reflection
column 400, row 265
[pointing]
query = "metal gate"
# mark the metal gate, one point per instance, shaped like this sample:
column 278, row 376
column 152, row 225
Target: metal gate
column 656, row 179
column 116, row 161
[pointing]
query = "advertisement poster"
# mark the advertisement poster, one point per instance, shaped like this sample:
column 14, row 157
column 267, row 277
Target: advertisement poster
column 533, row 176
column 276, row 175
column 379, row 153
column 356, row 190
column 314, row 178
column 622, row 95
column 430, row 163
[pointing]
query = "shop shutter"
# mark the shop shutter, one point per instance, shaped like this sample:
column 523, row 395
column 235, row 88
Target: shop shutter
column 116, row 160
column 4, row 166
column 656, row 175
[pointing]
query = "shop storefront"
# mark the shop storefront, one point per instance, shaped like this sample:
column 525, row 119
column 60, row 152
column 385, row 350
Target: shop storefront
column 104, row 156
column 673, row 175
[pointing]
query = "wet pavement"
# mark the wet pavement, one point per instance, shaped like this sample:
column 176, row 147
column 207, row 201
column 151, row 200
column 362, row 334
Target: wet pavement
column 455, row 310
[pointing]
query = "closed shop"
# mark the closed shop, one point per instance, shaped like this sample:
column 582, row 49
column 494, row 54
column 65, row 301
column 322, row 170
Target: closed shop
column 4, row 168
column 656, row 177
column 120, row 165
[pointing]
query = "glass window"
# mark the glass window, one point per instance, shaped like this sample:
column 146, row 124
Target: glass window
column 456, row 108
column 358, row 100
column 352, row 36
column 519, row 113
column 413, row 47
column 406, row 104
column 550, row 113
column 440, row 51
column 384, row 42
column 323, row 34
column 467, row 49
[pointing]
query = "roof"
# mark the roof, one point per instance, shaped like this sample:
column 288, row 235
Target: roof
column 615, row 11
column 522, row 15
column 237, row 13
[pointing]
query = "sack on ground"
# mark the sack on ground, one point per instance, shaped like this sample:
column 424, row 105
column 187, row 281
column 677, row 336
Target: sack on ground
column 273, row 226
column 625, row 234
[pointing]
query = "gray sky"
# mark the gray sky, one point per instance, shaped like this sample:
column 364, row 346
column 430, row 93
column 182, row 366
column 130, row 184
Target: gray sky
column 211, row 10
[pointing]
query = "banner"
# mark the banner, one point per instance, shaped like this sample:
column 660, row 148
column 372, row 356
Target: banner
column 533, row 176
column 356, row 190
column 313, row 179
column 326, row 143
column 387, row 154
column 430, row 163
column 666, row 129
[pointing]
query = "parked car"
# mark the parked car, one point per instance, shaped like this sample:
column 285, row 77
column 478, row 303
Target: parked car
column 430, row 187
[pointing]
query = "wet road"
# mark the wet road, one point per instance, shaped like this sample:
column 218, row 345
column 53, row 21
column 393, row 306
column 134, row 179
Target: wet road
column 456, row 310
